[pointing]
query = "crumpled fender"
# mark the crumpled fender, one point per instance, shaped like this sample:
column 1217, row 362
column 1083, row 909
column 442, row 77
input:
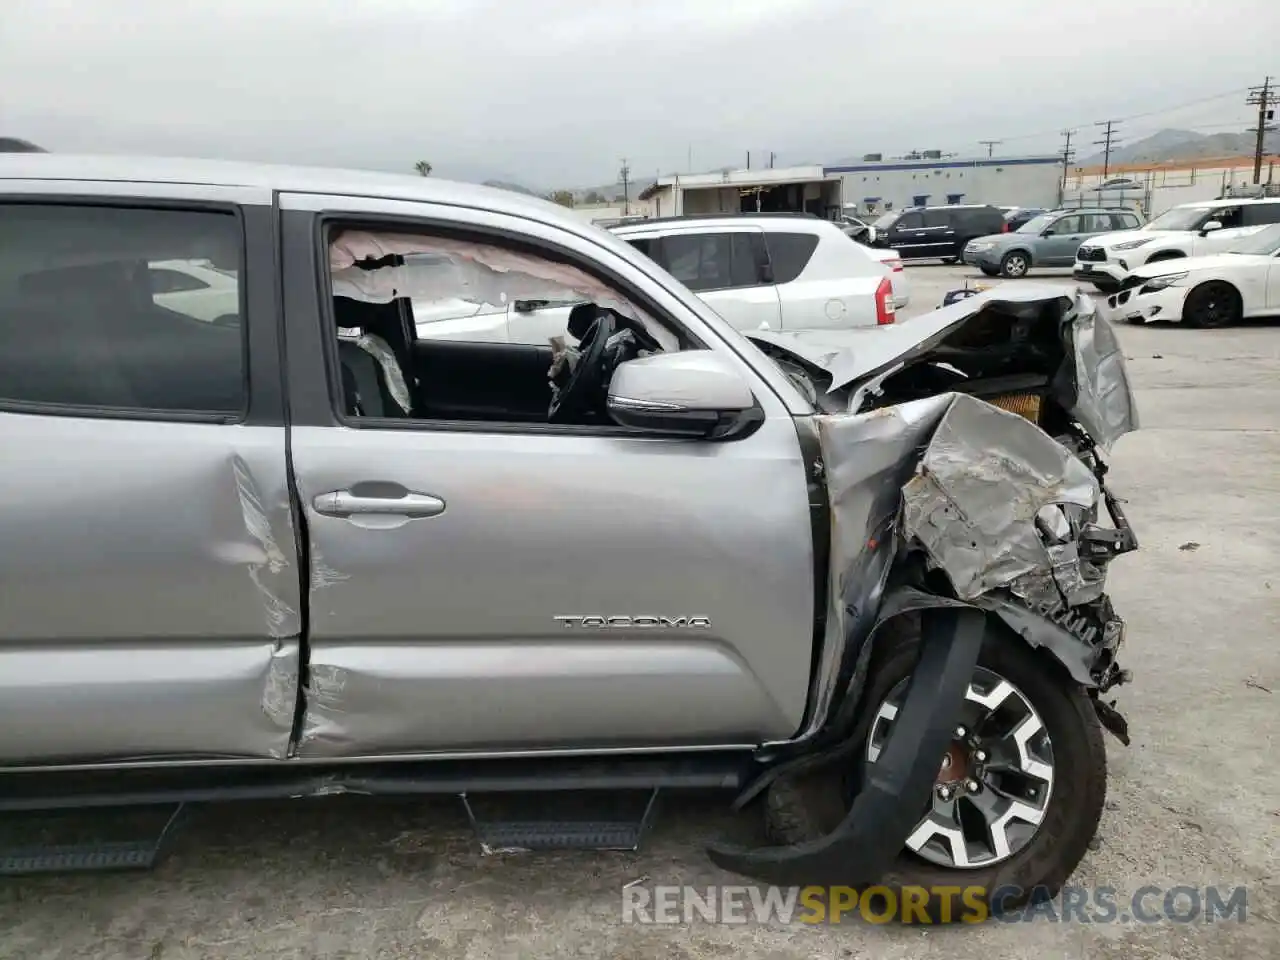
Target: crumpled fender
column 888, row 806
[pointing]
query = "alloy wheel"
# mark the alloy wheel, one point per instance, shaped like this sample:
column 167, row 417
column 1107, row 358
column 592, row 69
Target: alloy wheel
column 994, row 782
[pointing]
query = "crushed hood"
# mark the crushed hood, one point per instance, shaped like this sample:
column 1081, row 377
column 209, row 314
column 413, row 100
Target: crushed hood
column 1042, row 330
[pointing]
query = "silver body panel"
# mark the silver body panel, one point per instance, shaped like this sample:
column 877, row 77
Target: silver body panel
column 440, row 632
column 149, row 588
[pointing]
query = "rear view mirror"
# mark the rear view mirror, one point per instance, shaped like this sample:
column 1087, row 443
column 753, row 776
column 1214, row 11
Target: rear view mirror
column 693, row 394
column 1211, row 226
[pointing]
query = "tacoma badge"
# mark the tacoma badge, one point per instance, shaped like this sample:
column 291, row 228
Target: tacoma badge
column 626, row 623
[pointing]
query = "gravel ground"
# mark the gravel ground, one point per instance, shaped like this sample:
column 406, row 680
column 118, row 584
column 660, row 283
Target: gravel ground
column 1194, row 801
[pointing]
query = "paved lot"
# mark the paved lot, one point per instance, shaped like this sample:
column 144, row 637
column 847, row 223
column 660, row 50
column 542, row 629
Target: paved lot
column 1195, row 800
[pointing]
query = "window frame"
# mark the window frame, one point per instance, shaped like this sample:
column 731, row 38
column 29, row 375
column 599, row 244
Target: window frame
column 324, row 224
column 246, row 413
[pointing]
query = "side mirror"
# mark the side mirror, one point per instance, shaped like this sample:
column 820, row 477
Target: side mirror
column 690, row 394
column 1211, row 226
column 1048, row 233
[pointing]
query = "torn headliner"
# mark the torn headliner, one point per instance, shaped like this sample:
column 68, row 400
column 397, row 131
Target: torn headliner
column 434, row 269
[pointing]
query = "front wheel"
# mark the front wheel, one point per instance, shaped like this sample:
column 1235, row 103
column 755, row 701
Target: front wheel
column 1212, row 304
column 1015, row 265
column 1018, row 795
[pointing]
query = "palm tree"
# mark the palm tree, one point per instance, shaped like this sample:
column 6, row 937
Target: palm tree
column 423, row 168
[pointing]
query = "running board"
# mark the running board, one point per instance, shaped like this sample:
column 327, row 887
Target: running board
column 623, row 830
column 137, row 853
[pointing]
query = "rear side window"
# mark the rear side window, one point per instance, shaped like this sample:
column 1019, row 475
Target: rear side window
column 789, row 253
column 112, row 308
column 1257, row 214
column 937, row 218
column 1123, row 221
column 708, row 261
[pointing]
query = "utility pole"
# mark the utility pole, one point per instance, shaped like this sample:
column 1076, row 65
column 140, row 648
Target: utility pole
column 748, row 159
column 1107, row 142
column 1067, row 155
column 990, row 145
column 624, row 175
column 772, row 157
column 1262, row 97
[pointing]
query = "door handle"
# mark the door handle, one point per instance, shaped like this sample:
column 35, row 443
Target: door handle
column 344, row 503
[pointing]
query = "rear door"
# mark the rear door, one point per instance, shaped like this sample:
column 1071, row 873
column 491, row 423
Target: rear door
column 149, row 585
column 940, row 229
column 496, row 586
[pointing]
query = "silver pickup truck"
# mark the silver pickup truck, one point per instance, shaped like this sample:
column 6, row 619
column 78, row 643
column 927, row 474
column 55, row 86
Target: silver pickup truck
column 285, row 547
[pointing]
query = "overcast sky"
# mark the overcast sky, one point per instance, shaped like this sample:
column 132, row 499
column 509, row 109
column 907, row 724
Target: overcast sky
column 555, row 92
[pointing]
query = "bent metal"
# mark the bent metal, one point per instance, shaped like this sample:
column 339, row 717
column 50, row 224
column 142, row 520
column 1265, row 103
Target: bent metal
column 647, row 622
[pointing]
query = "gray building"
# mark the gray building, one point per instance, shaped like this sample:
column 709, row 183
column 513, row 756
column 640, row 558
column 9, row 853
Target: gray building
column 875, row 186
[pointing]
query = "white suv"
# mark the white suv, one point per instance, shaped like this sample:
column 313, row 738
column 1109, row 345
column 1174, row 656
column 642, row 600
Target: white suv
column 1188, row 230
column 776, row 271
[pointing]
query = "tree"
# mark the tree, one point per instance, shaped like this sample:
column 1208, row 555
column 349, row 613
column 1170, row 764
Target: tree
column 593, row 197
column 562, row 197
column 423, row 168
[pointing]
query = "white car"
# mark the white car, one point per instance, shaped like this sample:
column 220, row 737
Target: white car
column 774, row 271
column 769, row 272
column 1212, row 291
column 197, row 289
column 1189, row 230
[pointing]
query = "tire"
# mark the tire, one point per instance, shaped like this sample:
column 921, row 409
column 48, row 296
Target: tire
column 803, row 809
column 1015, row 264
column 1212, row 304
column 990, row 271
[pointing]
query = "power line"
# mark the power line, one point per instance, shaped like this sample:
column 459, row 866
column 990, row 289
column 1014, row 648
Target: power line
column 1262, row 97
column 1139, row 116
column 1107, row 142
column 990, row 145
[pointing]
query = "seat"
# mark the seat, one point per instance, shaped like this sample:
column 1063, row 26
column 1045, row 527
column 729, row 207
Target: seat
column 373, row 370
column 363, row 387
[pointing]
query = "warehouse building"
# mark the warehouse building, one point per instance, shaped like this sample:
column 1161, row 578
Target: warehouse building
column 875, row 185
column 864, row 189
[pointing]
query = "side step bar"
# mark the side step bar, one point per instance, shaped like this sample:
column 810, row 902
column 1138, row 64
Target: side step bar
column 553, row 831
column 140, row 853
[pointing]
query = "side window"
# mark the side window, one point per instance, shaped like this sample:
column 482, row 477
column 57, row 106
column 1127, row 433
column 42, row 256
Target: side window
column 909, row 221
column 85, row 321
column 1229, row 217
column 701, row 261
column 436, row 328
column 1123, row 221
column 789, row 253
column 1067, row 226
column 1260, row 214
column 937, row 218
column 1095, row 223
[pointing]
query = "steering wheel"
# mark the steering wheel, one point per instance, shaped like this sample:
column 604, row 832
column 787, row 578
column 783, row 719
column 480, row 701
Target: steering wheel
column 579, row 393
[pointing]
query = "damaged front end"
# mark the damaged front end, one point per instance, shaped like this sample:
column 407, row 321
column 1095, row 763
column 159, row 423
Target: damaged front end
column 962, row 457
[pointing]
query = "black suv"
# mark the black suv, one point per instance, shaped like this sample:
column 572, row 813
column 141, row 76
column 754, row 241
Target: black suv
column 928, row 233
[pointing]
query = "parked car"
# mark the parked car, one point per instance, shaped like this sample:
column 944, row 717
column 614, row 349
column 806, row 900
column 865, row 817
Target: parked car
column 1049, row 240
column 314, row 553
column 776, row 271
column 925, row 233
column 1188, row 230
column 1213, row 291
column 198, row 289
column 856, row 228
